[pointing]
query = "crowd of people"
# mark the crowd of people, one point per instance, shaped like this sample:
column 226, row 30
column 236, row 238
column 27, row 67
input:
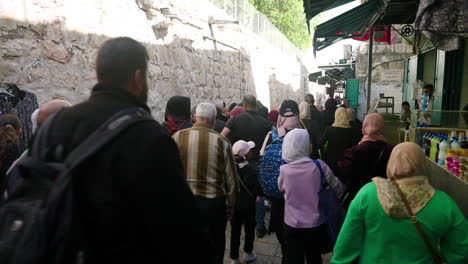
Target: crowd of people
column 164, row 193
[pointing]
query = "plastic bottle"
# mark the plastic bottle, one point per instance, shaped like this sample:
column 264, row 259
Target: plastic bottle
column 443, row 147
column 434, row 147
column 429, row 143
column 439, row 140
column 455, row 144
column 423, row 143
column 464, row 143
column 424, row 101
column 452, row 135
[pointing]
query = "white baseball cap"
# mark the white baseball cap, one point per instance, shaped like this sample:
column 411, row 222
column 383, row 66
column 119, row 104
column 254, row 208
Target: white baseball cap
column 241, row 148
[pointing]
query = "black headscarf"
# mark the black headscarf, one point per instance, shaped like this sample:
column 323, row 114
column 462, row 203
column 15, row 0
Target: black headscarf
column 232, row 106
column 329, row 113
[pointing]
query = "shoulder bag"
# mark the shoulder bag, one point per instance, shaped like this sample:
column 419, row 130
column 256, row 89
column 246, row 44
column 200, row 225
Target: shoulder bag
column 437, row 257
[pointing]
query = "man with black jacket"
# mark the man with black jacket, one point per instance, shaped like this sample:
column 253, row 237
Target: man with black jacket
column 133, row 203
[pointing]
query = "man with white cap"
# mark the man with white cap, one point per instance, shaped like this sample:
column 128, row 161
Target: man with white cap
column 244, row 214
column 210, row 172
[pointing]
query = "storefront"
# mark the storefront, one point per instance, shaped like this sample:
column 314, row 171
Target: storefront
column 447, row 71
column 440, row 59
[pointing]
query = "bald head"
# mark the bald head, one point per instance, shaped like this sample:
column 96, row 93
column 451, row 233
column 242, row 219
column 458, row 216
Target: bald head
column 49, row 108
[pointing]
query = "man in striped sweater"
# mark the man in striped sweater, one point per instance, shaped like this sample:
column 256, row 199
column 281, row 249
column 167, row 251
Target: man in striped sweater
column 210, row 172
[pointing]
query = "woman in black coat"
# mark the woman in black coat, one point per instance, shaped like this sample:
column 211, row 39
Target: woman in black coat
column 337, row 138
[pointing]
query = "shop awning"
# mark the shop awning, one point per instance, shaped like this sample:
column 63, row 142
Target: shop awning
column 315, row 7
column 357, row 21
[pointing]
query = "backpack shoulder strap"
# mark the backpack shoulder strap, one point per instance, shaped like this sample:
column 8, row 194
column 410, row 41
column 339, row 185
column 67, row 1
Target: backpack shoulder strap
column 100, row 137
column 105, row 133
column 322, row 174
column 275, row 135
column 303, row 124
column 267, row 137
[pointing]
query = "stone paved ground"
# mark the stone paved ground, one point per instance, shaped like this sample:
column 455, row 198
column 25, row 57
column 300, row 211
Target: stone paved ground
column 267, row 249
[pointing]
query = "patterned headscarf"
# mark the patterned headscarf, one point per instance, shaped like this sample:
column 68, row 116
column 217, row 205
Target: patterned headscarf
column 407, row 166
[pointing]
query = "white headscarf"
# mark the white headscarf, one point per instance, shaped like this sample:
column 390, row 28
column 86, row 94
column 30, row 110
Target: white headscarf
column 296, row 146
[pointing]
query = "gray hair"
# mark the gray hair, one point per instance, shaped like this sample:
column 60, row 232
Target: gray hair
column 206, row 110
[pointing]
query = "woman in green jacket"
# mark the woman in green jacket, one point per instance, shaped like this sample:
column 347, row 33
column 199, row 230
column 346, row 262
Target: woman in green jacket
column 377, row 228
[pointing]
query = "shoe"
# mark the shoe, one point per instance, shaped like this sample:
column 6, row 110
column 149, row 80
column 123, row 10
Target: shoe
column 235, row 261
column 261, row 232
column 249, row 257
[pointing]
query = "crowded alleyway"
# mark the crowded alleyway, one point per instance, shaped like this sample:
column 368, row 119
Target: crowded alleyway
column 233, row 132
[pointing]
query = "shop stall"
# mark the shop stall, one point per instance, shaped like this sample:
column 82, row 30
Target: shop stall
column 443, row 137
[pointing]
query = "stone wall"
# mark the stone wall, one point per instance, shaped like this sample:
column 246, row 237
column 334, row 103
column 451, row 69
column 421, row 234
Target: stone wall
column 387, row 75
column 49, row 47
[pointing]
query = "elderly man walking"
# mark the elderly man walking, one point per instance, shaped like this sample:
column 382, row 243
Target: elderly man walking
column 210, row 172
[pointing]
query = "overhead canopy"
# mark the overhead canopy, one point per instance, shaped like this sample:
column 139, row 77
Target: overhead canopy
column 315, row 7
column 360, row 19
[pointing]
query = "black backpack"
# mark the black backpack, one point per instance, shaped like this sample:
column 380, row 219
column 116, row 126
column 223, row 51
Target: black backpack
column 38, row 221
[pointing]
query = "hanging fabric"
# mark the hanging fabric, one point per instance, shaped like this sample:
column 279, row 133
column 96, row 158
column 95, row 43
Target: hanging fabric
column 443, row 22
column 21, row 103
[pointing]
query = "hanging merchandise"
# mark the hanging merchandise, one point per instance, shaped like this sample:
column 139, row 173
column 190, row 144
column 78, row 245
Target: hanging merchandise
column 443, row 22
column 381, row 34
column 21, row 103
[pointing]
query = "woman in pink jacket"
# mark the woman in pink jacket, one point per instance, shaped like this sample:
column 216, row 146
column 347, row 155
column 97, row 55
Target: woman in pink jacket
column 304, row 229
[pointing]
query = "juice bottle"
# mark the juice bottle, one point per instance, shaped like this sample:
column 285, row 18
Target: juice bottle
column 434, row 148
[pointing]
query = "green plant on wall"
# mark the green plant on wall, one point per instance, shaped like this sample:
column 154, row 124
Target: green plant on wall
column 288, row 16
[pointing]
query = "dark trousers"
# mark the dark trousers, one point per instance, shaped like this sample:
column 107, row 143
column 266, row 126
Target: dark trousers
column 277, row 223
column 214, row 217
column 303, row 243
column 244, row 218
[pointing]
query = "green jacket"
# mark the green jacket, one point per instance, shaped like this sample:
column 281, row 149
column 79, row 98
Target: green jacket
column 373, row 236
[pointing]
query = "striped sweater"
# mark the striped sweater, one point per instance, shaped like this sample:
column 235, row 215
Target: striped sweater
column 208, row 162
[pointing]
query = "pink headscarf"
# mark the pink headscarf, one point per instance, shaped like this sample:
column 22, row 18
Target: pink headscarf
column 373, row 128
column 236, row 111
column 351, row 114
column 287, row 123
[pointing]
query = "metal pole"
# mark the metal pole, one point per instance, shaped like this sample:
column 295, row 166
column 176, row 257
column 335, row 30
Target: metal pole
column 369, row 72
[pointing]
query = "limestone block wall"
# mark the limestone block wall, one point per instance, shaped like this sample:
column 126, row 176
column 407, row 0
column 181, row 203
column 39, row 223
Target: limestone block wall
column 49, row 47
column 387, row 75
